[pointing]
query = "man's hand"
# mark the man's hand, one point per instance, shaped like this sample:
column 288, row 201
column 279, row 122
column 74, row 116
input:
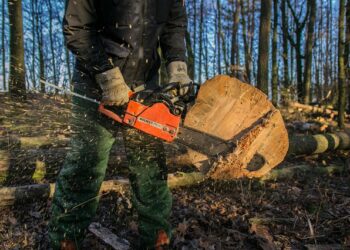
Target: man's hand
column 177, row 72
column 115, row 90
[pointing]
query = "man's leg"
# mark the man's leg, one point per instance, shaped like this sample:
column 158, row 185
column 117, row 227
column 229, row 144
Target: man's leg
column 76, row 195
column 148, row 176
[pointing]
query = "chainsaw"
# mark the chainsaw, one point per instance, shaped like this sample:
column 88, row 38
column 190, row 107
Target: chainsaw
column 160, row 114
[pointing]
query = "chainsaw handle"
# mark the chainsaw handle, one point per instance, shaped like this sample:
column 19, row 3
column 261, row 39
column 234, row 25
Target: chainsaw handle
column 109, row 113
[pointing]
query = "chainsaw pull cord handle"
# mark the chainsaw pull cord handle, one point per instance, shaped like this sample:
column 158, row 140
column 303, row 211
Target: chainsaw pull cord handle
column 102, row 109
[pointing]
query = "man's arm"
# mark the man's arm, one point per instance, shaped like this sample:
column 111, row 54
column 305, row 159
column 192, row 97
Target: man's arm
column 172, row 39
column 82, row 38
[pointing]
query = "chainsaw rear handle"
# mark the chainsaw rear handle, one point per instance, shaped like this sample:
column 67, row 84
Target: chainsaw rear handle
column 109, row 113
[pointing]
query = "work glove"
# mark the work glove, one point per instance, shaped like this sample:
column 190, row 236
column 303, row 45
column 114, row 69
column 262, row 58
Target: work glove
column 115, row 92
column 177, row 73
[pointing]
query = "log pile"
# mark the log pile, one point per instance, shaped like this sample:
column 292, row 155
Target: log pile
column 314, row 109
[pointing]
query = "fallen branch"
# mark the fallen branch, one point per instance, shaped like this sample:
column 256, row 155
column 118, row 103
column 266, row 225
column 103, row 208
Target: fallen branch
column 12, row 142
column 30, row 193
column 291, row 172
column 108, row 237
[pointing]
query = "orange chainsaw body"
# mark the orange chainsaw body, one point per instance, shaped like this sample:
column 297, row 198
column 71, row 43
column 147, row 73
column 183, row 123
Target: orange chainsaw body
column 155, row 120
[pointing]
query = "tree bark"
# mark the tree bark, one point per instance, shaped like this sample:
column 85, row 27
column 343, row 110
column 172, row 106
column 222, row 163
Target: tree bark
column 17, row 83
column 264, row 45
column 308, row 52
column 341, row 66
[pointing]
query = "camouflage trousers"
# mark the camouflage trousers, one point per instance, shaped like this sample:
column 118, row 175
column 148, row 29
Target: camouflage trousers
column 76, row 196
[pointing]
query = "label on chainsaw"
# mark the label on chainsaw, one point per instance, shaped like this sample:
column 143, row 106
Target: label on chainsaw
column 152, row 123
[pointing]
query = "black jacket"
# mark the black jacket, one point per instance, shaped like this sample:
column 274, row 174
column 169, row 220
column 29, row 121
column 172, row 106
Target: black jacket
column 128, row 31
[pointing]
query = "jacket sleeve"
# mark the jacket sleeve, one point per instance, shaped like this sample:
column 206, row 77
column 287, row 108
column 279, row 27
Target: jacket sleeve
column 172, row 39
column 82, row 37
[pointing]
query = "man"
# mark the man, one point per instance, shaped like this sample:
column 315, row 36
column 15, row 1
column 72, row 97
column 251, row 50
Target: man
column 115, row 43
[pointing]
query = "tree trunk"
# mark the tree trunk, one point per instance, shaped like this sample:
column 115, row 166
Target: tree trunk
column 52, row 46
column 274, row 83
column 68, row 64
column 285, row 45
column 206, row 54
column 234, row 38
column 191, row 68
column 347, row 50
column 3, row 46
column 33, row 10
column 299, row 64
column 341, row 66
column 264, row 45
column 218, row 6
column 201, row 40
column 308, row 52
column 247, row 51
column 39, row 34
column 17, row 83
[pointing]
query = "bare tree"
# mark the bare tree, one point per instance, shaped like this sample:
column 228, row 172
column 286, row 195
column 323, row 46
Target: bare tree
column 347, row 49
column 341, row 66
column 52, row 46
column 39, row 35
column 234, row 38
column 218, row 6
column 247, row 49
column 300, row 24
column 201, row 39
column 307, row 95
column 264, row 45
column 274, row 83
column 33, row 11
column 285, row 44
column 17, row 83
column 3, row 46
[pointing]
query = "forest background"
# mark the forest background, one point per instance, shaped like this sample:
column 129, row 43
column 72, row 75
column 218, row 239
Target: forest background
column 288, row 48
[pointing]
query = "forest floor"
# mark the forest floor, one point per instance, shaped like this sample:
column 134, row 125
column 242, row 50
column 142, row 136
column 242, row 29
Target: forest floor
column 303, row 212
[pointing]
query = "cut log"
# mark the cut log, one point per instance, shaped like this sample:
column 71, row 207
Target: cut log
column 234, row 111
column 317, row 144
